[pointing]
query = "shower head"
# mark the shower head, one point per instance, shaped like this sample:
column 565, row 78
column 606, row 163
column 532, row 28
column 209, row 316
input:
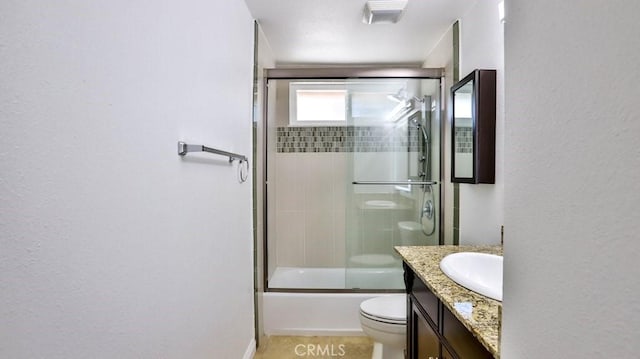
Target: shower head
column 399, row 97
column 395, row 98
column 403, row 97
column 404, row 112
column 417, row 124
column 407, row 106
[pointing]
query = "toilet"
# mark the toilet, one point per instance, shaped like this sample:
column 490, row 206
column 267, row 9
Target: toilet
column 384, row 319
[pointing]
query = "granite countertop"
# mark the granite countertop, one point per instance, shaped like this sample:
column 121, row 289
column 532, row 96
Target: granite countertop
column 480, row 314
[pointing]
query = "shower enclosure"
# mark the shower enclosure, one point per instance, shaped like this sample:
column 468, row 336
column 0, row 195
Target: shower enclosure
column 352, row 169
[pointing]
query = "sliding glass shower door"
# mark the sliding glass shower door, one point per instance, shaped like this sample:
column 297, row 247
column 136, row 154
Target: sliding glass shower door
column 394, row 169
column 346, row 165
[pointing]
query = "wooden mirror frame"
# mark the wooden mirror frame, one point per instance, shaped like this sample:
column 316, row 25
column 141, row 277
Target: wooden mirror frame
column 483, row 127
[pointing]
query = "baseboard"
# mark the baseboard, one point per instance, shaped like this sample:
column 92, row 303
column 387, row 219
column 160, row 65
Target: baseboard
column 251, row 350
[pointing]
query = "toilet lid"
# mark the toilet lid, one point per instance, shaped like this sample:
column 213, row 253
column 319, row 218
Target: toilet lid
column 390, row 307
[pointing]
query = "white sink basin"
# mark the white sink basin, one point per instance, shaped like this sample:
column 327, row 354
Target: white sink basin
column 479, row 272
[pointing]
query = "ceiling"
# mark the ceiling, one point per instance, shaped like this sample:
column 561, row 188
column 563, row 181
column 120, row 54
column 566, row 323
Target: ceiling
column 331, row 32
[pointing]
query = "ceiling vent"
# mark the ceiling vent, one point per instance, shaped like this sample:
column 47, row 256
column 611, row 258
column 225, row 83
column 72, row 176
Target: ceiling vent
column 383, row 11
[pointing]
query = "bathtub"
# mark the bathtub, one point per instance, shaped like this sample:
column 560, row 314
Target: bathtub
column 336, row 278
column 322, row 314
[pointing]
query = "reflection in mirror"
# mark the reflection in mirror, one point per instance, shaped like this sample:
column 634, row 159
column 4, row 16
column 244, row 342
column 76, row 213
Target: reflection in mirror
column 463, row 132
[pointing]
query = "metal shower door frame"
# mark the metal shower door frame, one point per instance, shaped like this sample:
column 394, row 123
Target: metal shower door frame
column 339, row 73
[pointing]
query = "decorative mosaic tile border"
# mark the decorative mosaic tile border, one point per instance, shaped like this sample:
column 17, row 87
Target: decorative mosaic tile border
column 464, row 140
column 347, row 139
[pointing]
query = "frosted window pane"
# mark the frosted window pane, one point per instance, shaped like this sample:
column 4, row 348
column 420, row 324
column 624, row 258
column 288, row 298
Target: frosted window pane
column 321, row 105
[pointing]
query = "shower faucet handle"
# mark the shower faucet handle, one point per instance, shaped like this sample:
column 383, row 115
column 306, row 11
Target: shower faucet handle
column 428, row 210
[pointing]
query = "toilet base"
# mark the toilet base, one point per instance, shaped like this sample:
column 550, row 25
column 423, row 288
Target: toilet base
column 386, row 352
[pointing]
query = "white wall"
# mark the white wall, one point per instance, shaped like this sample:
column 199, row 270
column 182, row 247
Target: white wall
column 572, row 163
column 482, row 47
column 113, row 246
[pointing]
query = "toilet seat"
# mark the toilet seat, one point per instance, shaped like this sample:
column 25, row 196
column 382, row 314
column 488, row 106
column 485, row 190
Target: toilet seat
column 391, row 309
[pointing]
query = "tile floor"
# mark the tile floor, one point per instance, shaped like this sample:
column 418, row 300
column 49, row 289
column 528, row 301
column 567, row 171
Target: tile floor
column 290, row 347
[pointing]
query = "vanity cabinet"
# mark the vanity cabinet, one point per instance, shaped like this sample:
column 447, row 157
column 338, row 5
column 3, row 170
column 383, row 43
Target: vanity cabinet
column 433, row 332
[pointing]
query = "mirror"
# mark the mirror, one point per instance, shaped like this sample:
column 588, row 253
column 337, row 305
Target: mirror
column 473, row 132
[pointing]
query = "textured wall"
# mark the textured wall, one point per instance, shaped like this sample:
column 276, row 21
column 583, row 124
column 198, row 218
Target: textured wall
column 572, row 162
column 482, row 47
column 112, row 245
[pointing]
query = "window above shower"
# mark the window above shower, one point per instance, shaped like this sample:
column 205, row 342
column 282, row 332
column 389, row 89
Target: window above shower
column 344, row 103
column 317, row 103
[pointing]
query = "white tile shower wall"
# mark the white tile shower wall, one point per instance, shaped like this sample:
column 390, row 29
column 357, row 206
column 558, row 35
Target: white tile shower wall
column 310, row 202
column 310, row 209
column 378, row 166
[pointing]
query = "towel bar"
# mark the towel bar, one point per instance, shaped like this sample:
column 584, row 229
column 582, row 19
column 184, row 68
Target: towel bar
column 184, row 148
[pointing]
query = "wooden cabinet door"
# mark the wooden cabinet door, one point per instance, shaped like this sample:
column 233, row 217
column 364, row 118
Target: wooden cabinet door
column 425, row 341
column 446, row 354
column 460, row 339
